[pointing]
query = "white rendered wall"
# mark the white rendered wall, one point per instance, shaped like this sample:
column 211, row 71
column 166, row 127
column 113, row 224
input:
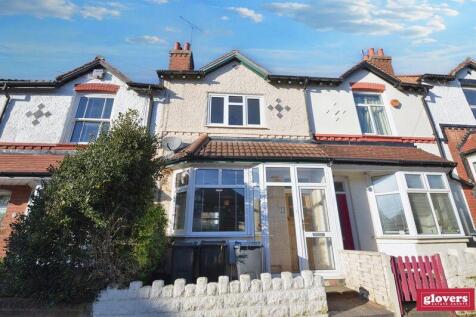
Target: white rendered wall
column 61, row 103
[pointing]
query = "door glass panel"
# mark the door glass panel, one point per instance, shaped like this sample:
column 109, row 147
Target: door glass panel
column 314, row 210
column 310, row 175
column 278, row 174
column 319, row 252
column 282, row 230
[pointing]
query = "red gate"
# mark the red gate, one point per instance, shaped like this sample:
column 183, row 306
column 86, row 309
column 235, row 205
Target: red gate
column 412, row 273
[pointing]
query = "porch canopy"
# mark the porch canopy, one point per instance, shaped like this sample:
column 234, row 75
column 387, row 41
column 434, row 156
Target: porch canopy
column 206, row 148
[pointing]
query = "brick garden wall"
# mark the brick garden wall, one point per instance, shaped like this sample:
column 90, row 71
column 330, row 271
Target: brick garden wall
column 303, row 295
column 370, row 274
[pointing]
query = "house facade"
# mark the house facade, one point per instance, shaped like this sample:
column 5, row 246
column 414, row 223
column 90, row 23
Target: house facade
column 304, row 166
column 42, row 121
column 297, row 167
column 452, row 105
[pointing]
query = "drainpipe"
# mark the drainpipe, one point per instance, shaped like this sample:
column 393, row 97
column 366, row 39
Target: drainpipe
column 150, row 109
column 7, row 101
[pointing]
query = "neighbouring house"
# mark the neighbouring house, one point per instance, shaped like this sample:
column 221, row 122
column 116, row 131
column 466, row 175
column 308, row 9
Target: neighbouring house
column 452, row 105
column 41, row 121
column 302, row 166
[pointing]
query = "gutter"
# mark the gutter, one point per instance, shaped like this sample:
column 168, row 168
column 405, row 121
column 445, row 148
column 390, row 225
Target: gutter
column 7, row 101
column 150, row 109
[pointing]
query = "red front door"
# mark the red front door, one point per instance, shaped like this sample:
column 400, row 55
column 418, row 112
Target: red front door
column 344, row 217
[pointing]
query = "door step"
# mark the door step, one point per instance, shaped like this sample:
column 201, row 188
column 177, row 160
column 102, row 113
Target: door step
column 334, row 282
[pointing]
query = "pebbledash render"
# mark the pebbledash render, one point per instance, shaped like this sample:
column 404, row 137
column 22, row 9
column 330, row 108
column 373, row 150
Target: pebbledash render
column 301, row 167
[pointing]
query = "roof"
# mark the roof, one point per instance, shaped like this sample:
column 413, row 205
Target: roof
column 206, row 148
column 468, row 143
column 27, row 164
column 467, row 62
column 97, row 62
column 380, row 68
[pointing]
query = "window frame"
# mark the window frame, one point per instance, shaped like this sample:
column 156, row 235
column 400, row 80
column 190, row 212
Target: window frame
column 93, row 120
column 189, row 210
column 8, row 194
column 372, row 122
column 408, row 212
column 226, row 105
column 472, row 107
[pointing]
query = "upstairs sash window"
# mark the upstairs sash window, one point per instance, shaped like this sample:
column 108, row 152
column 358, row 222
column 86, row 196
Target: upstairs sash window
column 372, row 115
column 92, row 118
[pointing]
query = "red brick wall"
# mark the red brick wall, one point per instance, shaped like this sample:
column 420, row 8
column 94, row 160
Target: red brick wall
column 455, row 136
column 181, row 60
column 20, row 195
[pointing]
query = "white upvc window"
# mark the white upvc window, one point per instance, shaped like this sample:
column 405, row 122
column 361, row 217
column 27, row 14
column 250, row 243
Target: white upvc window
column 415, row 203
column 93, row 116
column 211, row 202
column 4, row 200
column 372, row 114
column 470, row 94
column 235, row 110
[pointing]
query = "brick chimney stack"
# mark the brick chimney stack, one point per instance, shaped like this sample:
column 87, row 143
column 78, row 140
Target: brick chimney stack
column 379, row 60
column 181, row 58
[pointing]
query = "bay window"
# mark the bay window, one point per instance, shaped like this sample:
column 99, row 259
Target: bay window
column 181, row 186
column 92, row 118
column 372, row 114
column 235, row 110
column 430, row 207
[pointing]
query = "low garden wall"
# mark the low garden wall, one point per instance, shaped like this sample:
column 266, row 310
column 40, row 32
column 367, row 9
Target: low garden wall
column 370, row 274
column 285, row 296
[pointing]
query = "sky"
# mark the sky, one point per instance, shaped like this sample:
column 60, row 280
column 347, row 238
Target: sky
column 44, row 38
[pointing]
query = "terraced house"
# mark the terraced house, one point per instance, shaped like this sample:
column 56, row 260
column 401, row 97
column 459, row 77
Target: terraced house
column 287, row 171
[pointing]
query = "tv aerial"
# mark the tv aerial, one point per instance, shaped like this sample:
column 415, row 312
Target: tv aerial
column 192, row 26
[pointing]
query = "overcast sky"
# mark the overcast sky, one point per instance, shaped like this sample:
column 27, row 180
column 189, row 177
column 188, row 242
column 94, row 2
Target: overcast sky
column 43, row 38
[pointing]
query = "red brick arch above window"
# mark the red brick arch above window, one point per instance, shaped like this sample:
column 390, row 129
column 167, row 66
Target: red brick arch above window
column 362, row 86
column 97, row 87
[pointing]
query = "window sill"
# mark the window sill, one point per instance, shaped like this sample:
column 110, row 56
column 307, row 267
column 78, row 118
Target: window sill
column 211, row 235
column 423, row 239
column 237, row 127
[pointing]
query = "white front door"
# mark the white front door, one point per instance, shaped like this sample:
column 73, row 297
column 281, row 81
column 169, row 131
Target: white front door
column 302, row 219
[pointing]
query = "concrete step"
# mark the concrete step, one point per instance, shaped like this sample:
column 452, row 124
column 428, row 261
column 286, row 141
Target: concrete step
column 348, row 303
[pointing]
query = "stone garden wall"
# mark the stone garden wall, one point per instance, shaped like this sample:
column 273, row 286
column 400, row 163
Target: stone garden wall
column 302, row 295
column 370, row 274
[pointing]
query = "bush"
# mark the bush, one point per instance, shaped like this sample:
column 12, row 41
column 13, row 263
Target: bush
column 93, row 223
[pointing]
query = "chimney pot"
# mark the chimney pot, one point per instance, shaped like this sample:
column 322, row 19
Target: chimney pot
column 380, row 52
column 366, row 57
column 186, row 47
column 371, row 52
column 177, row 46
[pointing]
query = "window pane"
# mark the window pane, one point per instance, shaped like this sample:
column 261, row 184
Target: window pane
column 391, row 214
column 89, row 132
column 367, row 99
column 413, row 181
column 314, row 209
column 235, row 99
column 436, row 182
column 278, row 174
column 235, row 115
column 473, row 110
column 104, row 127
column 181, row 179
column 310, row 175
column 4, row 199
column 364, row 119
column 380, row 120
column 108, row 108
column 77, row 132
column 385, row 184
column 219, row 209
column 257, row 211
column 232, row 177
column 444, row 213
column 83, row 101
column 217, row 110
column 95, row 107
column 206, row 177
column 253, row 111
column 470, row 95
column 255, row 175
column 319, row 251
column 421, row 209
column 180, row 208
